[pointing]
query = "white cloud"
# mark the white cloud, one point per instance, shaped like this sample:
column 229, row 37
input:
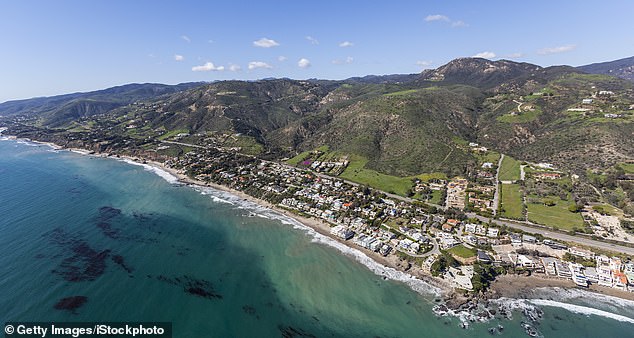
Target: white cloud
column 485, row 55
column 303, row 63
column 423, row 63
column 515, row 55
column 186, row 38
column 210, row 41
column 554, row 50
column 312, row 40
column 234, row 68
column 346, row 44
column 178, row 57
column 444, row 18
column 209, row 66
column 265, row 43
column 347, row 60
column 282, row 58
column 436, row 17
column 259, row 64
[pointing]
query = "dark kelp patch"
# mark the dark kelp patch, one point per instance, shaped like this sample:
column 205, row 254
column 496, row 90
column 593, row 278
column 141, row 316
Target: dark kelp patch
column 71, row 303
column 197, row 287
column 291, row 332
column 84, row 263
column 118, row 259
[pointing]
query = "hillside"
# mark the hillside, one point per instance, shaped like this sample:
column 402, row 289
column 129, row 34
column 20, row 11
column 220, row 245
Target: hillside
column 400, row 125
column 623, row 68
column 58, row 110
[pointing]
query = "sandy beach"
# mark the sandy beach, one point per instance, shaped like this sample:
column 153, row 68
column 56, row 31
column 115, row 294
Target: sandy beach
column 508, row 286
column 318, row 225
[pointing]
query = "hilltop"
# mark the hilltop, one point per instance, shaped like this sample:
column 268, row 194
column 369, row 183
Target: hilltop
column 623, row 68
column 399, row 125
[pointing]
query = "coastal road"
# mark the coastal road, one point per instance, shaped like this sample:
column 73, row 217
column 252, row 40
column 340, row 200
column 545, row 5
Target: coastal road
column 558, row 235
column 524, row 226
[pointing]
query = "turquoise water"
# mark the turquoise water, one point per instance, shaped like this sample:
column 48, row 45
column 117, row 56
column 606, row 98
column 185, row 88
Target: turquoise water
column 142, row 249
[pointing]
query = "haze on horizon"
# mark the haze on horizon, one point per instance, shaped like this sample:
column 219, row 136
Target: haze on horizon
column 52, row 48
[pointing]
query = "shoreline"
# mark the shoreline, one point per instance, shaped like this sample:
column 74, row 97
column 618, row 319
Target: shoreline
column 504, row 286
column 435, row 286
column 526, row 287
column 320, row 226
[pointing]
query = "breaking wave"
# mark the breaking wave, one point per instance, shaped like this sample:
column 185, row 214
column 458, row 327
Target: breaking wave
column 581, row 309
column 415, row 284
column 158, row 171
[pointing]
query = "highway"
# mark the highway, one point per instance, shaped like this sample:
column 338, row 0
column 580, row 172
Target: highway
column 524, row 226
column 535, row 229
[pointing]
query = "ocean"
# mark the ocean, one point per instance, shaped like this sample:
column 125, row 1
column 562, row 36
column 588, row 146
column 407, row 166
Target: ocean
column 132, row 244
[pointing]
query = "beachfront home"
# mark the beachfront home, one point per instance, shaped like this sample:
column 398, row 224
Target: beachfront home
column 461, row 278
column 629, row 272
column 587, row 254
column 563, row 269
column 619, row 280
column 549, row 265
column 591, row 275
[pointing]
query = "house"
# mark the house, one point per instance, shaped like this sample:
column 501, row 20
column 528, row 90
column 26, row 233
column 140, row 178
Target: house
column 529, row 239
column 586, row 254
column 446, row 227
column 453, row 222
column 516, row 239
column 549, row 265
column 592, row 275
column 487, row 165
column 523, row 261
column 484, row 257
column 587, row 101
column 461, row 278
column 548, row 176
column 470, row 228
column 619, row 280
column 493, row 232
column 563, row 269
column 629, row 272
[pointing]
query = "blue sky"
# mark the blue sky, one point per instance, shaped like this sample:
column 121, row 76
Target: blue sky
column 56, row 47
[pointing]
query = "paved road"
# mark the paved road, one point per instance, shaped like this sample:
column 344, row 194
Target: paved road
column 524, row 226
column 496, row 196
column 535, row 229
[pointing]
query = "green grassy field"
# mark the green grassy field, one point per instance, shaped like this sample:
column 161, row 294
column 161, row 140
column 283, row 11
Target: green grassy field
column 462, row 251
column 557, row 216
column 510, row 170
column 402, row 92
column 172, row 133
column 520, row 118
column 435, row 197
column 512, row 203
column 357, row 173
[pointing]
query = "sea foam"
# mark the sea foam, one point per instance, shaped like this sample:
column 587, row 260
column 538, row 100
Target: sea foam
column 158, row 171
column 581, row 309
column 260, row 211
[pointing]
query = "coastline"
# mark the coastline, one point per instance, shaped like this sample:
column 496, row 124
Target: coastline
column 527, row 287
column 433, row 285
column 503, row 287
column 320, row 226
